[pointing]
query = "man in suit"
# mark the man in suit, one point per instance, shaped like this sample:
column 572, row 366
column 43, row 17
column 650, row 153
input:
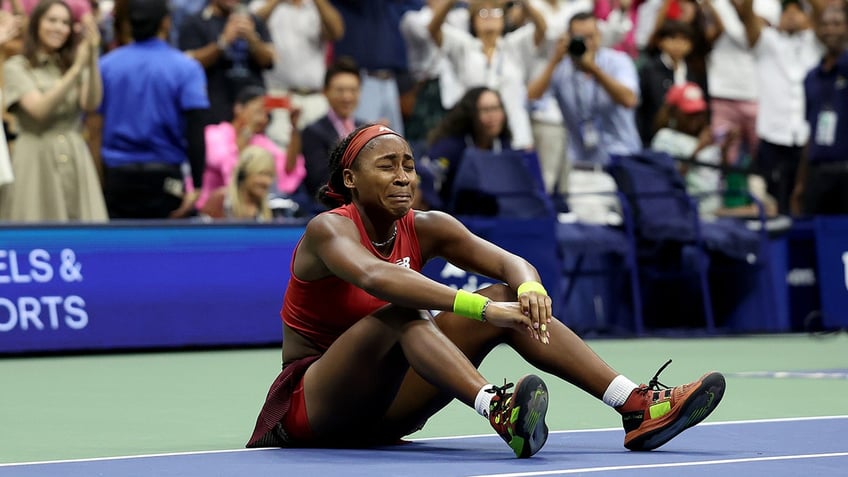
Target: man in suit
column 342, row 85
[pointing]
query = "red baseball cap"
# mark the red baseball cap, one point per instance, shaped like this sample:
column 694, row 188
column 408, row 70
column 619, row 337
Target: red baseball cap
column 687, row 97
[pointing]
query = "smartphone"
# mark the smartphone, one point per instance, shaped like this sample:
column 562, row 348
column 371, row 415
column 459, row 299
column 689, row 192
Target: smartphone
column 277, row 102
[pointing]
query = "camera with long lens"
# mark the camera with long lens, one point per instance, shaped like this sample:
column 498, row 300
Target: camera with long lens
column 577, row 47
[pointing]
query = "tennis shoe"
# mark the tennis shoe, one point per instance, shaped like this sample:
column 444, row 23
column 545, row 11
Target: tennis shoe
column 519, row 417
column 654, row 413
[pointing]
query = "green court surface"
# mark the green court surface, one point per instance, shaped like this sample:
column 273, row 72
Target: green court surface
column 132, row 404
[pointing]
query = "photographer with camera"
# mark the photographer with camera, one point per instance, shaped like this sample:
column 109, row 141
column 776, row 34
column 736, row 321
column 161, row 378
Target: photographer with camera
column 597, row 89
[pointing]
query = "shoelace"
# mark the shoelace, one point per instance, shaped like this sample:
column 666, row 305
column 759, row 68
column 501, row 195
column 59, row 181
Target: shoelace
column 500, row 391
column 654, row 384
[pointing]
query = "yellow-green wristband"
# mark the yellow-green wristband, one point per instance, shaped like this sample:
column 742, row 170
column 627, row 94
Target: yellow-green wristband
column 532, row 286
column 470, row 305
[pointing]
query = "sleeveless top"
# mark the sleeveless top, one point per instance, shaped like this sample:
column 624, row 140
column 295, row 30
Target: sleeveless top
column 323, row 309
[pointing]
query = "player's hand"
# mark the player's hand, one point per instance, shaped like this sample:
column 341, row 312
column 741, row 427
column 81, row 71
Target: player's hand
column 508, row 315
column 537, row 307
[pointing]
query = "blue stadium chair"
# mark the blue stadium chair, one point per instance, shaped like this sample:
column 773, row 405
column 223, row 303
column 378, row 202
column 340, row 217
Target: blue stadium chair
column 504, row 184
column 579, row 243
column 509, row 185
column 672, row 238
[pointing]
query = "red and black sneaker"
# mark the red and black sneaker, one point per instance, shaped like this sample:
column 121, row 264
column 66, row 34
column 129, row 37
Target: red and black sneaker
column 654, row 414
column 519, row 417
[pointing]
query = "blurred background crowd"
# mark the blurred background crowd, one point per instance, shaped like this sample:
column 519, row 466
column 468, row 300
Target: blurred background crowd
column 220, row 109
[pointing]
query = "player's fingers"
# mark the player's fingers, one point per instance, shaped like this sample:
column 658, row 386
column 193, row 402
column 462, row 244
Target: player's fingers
column 524, row 303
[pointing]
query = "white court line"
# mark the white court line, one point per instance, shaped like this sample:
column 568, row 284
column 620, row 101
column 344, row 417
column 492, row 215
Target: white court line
column 471, row 436
column 611, row 429
column 667, row 465
column 140, row 456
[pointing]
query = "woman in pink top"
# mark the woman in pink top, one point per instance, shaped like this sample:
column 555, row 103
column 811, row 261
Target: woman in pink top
column 224, row 141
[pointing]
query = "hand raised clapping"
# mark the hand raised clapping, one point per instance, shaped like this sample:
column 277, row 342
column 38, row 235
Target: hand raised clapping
column 89, row 46
column 10, row 26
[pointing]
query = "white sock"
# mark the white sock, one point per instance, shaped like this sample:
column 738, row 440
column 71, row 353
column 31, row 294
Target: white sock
column 618, row 391
column 483, row 399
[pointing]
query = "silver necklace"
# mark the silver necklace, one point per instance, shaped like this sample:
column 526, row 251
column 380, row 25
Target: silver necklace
column 388, row 241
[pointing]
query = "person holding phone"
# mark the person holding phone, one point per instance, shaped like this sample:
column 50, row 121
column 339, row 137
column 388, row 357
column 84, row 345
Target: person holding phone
column 234, row 47
column 227, row 140
column 302, row 32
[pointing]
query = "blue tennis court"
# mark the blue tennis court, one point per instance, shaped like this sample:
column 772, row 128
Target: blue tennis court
column 777, row 447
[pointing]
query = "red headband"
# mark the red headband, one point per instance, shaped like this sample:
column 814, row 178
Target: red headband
column 354, row 147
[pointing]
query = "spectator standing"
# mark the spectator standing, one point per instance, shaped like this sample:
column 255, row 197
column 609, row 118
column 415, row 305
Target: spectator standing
column 144, row 147
column 10, row 28
column 821, row 186
column 180, row 10
column 597, row 89
column 372, row 38
column 234, row 48
column 615, row 19
column 664, row 67
column 342, row 86
column 227, row 140
column 549, row 133
column 783, row 56
column 47, row 88
column 730, row 70
column 436, row 87
column 301, row 31
column 486, row 56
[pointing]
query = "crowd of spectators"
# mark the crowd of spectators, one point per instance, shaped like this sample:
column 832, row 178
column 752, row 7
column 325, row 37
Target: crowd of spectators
column 219, row 108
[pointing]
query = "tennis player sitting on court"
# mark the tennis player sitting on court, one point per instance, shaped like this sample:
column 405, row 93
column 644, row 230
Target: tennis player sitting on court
column 363, row 365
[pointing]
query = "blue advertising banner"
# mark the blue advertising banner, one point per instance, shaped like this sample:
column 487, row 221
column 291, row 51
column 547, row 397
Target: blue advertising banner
column 832, row 258
column 165, row 285
column 107, row 287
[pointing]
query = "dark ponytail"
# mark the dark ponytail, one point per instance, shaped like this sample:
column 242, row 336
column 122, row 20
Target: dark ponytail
column 338, row 195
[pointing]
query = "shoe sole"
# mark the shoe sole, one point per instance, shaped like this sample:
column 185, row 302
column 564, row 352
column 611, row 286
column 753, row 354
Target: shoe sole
column 700, row 404
column 531, row 431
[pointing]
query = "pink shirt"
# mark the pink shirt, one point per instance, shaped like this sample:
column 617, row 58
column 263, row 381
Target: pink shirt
column 78, row 7
column 222, row 155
